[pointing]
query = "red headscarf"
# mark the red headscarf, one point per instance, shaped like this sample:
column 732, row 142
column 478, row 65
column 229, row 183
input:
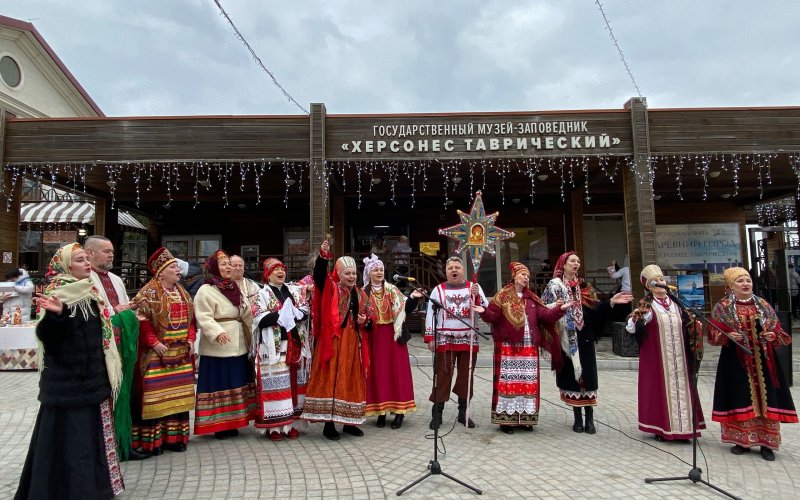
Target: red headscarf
column 227, row 286
column 558, row 271
column 587, row 297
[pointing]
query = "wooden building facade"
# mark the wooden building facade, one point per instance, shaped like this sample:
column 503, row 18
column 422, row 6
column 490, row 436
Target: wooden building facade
column 257, row 180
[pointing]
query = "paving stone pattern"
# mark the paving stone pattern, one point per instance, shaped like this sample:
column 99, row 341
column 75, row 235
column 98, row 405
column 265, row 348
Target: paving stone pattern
column 551, row 462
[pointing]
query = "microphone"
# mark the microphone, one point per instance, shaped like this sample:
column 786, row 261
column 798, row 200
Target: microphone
column 665, row 287
column 399, row 277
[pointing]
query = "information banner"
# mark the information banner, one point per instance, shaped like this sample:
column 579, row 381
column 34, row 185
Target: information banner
column 698, row 246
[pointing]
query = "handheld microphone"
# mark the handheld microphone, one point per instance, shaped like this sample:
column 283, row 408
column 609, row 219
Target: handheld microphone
column 665, row 287
column 399, row 277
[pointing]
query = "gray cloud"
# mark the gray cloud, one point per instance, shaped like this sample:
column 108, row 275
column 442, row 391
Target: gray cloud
column 181, row 58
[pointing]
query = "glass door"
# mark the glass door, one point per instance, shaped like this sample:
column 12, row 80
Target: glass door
column 194, row 247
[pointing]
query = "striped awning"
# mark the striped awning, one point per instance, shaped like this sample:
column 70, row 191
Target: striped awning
column 77, row 212
column 57, row 211
column 126, row 219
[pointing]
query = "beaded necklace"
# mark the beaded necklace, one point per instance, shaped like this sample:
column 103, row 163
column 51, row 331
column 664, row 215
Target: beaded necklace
column 173, row 297
column 379, row 294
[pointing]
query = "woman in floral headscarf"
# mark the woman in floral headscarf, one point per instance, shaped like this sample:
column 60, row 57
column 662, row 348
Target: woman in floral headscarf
column 390, row 388
column 521, row 323
column 341, row 319
column 167, row 332
column 225, row 386
column 73, row 452
column 577, row 380
column 751, row 394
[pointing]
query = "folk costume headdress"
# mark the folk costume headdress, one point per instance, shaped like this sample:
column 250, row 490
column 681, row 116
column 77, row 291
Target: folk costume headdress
column 154, row 301
column 77, row 296
column 370, row 263
column 649, row 274
column 226, row 286
column 271, row 264
column 518, row 267
column 734, row 273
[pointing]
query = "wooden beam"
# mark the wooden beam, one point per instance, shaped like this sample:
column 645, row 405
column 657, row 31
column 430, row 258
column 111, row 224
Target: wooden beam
column 576, row 204
column 9, row 219
column 640, row 218
column 319, row 212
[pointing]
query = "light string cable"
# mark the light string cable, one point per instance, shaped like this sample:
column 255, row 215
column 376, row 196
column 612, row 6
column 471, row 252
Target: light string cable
column 619, row 49
column 258, row 59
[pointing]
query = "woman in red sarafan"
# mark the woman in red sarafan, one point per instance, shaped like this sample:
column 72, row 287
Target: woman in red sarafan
column 521, row 323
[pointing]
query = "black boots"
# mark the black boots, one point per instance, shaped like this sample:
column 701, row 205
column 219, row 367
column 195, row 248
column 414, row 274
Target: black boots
column 398, row 421
column 462, row 414
column 588, row 426
column 579, row 425
column 330, row 431
column 436, row 414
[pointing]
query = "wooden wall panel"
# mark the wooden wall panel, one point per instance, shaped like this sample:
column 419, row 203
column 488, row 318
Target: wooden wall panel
column 125, row 139
column 319, row 210
column 9, row 219
column 724, row 130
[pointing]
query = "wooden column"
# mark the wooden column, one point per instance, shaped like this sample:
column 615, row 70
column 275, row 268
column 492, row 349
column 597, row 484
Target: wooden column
column 9, row 219
column 640, row 217
column 318, row 203
column 576, row 209
column 339, row 224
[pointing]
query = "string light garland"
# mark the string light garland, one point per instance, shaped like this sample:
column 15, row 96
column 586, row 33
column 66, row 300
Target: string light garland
column 146, row 176
column 258, row 59
column 774, row 212
column 408, row 178
column 619, row 49
column 734, row 163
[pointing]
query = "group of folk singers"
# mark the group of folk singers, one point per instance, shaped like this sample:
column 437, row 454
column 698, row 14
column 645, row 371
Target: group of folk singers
column 118, row 376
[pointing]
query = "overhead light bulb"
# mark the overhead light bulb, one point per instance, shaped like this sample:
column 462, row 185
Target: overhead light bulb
column 542, row 177
column 714, row 174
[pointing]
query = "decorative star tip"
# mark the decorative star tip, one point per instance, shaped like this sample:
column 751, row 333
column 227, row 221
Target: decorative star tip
column 476, row 232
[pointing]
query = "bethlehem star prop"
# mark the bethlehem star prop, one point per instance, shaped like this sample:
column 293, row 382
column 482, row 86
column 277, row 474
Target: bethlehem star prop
column 477, row 233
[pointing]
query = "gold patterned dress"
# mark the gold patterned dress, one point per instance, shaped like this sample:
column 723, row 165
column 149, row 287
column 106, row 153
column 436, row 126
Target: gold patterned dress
column 751, row 395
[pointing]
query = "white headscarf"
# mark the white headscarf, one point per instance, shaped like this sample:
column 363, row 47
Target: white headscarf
column 369, row 264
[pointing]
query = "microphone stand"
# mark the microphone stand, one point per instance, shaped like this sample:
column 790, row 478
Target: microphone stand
column 695, row 475
column 435, row 469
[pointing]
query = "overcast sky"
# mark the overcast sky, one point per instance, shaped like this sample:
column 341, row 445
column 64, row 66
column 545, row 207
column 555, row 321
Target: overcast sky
column 180, row 57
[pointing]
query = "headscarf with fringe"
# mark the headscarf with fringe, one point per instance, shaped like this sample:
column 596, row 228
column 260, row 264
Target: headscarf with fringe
column 78, row 295
column 226, row 286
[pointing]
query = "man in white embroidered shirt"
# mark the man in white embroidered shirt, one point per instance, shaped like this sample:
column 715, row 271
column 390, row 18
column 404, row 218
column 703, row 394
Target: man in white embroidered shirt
column 457, row 346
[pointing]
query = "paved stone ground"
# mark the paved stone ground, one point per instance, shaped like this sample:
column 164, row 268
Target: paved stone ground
column 551, row 462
